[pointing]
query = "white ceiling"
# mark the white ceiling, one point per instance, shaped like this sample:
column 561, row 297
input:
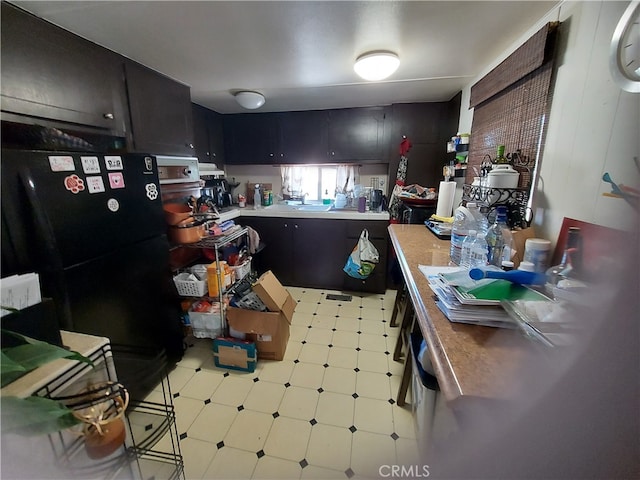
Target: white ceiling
column 300, row 54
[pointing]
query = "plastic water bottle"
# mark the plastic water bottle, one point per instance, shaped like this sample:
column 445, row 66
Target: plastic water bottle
column 257, row 198
column 463, row 222
column 499, row 239
column 479, row 251
column 465, row 258
column 482, row 223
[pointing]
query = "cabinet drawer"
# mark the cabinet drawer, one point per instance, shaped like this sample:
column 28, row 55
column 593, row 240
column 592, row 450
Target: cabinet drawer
column 376, row 228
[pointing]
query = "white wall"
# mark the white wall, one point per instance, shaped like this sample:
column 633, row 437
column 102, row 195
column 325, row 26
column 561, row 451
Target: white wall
column 594, row 126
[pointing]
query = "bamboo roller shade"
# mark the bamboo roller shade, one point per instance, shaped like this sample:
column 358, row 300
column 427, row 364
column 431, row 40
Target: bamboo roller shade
column 512, row 103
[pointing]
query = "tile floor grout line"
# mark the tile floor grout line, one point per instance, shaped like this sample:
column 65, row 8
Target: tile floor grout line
column 369, row 348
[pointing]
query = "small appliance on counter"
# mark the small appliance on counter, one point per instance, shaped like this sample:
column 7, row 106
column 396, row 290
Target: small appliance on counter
column 375, row 201
column 218, row 190
column 216, row 187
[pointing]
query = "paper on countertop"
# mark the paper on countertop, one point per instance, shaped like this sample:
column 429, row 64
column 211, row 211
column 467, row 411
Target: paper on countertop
column 433, row 271
column 20, row 292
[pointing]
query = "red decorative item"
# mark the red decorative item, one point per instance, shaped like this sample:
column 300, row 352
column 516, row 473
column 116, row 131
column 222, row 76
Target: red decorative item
column 405, row 146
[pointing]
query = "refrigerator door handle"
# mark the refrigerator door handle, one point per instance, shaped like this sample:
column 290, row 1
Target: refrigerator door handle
column 53, row 263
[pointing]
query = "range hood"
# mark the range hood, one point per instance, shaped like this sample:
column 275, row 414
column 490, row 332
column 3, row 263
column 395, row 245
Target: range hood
column 209, row 170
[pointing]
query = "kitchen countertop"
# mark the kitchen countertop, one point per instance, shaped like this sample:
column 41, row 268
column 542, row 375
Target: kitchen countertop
column 294, row 212
column 470, row 361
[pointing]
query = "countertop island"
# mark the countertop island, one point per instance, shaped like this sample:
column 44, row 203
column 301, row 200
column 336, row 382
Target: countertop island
column 470, row 361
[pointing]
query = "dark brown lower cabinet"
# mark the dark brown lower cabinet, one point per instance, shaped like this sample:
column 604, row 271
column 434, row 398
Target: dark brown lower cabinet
column 310, row 252
column 377, row 281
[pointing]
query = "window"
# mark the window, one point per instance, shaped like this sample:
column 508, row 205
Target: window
column 312, row 181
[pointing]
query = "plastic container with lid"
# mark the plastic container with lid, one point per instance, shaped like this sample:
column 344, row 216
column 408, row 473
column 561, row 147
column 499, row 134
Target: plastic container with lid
column 503, row 176
column 536, row 251
column 526, row 266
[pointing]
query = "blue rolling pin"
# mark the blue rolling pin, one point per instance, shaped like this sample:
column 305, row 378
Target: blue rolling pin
column 520, row 277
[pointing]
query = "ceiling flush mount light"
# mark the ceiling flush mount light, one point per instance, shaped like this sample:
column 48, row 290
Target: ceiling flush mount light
column 378, row 65
column 250, row 100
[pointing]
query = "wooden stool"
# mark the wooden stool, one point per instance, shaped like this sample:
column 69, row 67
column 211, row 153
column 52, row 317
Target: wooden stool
column 402, row 296
column 407, row 321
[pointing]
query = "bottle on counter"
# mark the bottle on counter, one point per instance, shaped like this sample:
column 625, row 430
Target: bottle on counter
column 571, row 264
column 499, row 239
column 479, row 250
column 500, row 158
column 326, row 199
column 536, row 251
column 482, row 223
column 507, row 265
column 463, row 222
column 467, row 243
column 257, row 198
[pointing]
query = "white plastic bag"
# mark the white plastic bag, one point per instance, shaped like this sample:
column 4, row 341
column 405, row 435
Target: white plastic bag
column 363, row 258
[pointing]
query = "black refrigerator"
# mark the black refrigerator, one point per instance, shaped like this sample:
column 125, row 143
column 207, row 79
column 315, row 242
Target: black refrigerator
column 92, row 226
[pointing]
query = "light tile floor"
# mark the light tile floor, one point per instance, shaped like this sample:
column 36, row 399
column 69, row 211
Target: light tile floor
column 327, row 410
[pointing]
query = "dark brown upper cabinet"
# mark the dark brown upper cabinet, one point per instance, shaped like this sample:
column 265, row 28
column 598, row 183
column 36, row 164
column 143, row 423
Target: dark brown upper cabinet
column 208, row 135
column 250, row 138
column 358, row 134
column 314, row 136
column 49, row 73
column 427, row 125
column 276, row 138
column 303, row 137
column 161, row 115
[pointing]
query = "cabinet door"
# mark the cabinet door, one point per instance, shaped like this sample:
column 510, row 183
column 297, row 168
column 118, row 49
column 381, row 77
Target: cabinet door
column 216, row 138
column 303, row 137
column 250, row 138
column 377, row 281
column 357, row 134
column 50, row 73
column 207, row 135
column 277, row 255
column 428, row 126
column 201, row 144
column 318, row 253
column 161, row 115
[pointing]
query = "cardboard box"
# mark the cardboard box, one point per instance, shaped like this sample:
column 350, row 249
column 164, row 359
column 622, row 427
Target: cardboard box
column 234, row 354
column 519, row 239
column 269, row 330
column 270, row 291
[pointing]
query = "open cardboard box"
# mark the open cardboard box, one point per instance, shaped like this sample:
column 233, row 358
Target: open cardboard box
column 270, row 330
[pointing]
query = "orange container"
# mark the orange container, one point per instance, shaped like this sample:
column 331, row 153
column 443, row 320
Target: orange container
column 212, row 279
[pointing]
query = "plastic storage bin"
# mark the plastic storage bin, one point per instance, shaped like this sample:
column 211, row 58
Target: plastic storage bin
column 188, row 285
column 206, row 324
column 242, row 270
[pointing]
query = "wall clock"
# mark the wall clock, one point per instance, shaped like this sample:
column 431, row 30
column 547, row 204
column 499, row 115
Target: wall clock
column 624, row 54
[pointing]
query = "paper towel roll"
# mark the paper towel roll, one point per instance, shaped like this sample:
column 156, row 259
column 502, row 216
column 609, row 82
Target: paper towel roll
column 446, row 193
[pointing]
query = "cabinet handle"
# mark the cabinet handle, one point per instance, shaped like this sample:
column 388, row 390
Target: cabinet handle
column 286, row 225
column 271, row 154
column 188, row 145
column 108, row 116
column 295, row 226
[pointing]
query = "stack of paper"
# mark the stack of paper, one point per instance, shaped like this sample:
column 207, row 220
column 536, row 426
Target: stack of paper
column 464, row 300
column 19, row 292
